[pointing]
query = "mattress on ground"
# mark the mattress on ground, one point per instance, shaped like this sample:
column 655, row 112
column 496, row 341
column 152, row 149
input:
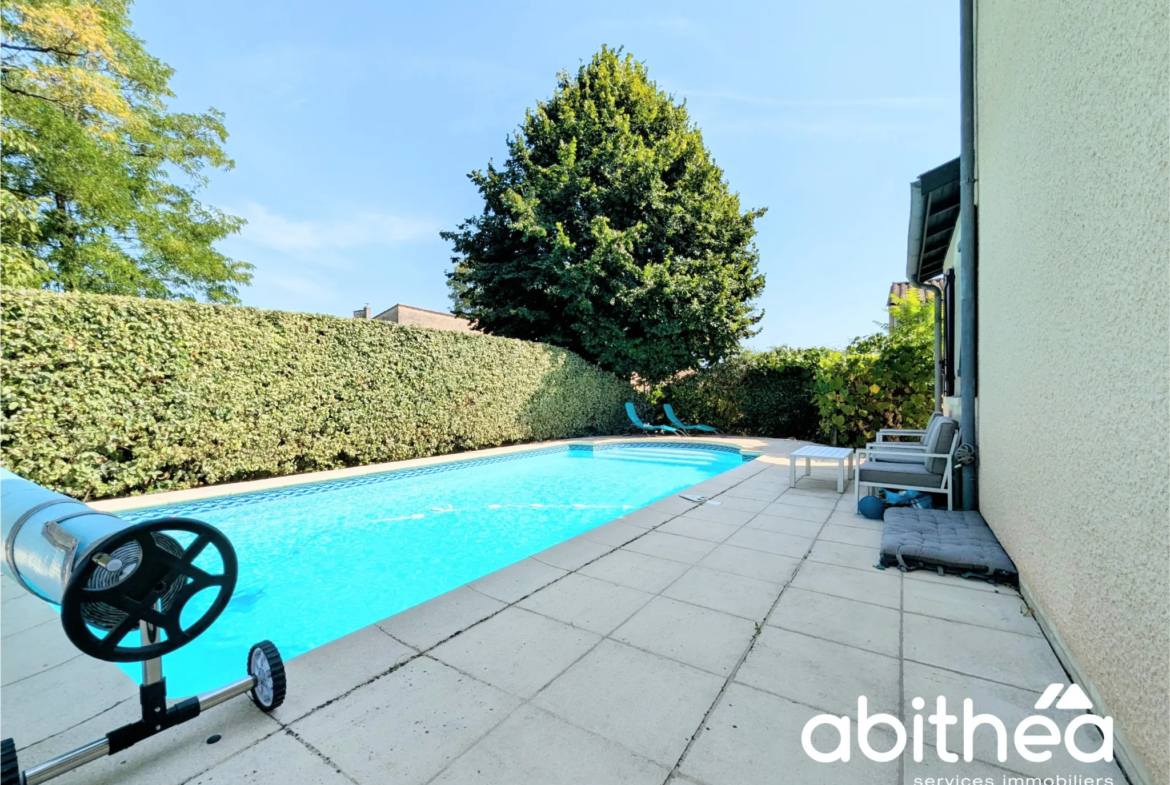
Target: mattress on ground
column 957, row 542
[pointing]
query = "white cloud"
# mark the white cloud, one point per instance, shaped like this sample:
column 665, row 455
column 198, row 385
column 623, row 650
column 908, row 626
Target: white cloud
column 325, row 236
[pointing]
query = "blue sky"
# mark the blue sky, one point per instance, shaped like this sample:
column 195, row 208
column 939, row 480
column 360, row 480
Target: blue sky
column 353, row 126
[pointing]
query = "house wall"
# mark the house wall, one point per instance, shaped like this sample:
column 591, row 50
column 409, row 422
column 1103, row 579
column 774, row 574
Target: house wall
column 1073, row 123
column 420, row 317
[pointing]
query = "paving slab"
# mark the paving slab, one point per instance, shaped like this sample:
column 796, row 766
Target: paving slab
column 22, row 611
column 435, row 620
column 534, row 747
column 697, row 636
column 1010, row 658
column 647, row 703
column 407, row 726
column 856, row 556
column 781, row 509
column 751, row 563
column 614, row 534
column 710, row 531
column 277, row 760
column 35, row 650
column 1001, row 608
column 573, row 554
column 771, row 542
column 517, row 580
column 674, row 505
column 742, row 596
column 977, row 772
column 736, row 503
column 881, row 587
column 931, row 576
column 591, row 604
column 170, row 758
column 646, row 518
column 824, row 501
column 755, row 494
column 861, row 624
column 829, row 676
column 327, row 672
column 1011, row 705
column 851, row 518
column 671, row 546
column 516, row 650
column 720, row 514
column 793, row 526
column 753, row 738
column 852, row 535
column 635, row 570
column 53, row 700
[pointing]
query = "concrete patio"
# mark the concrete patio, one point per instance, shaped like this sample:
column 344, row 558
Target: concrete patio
column 683, row 642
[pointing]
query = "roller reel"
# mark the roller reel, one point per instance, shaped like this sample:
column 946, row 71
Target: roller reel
column 112, row 578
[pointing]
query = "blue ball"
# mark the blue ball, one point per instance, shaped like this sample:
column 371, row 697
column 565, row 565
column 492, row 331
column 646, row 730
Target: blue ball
column 872, row 507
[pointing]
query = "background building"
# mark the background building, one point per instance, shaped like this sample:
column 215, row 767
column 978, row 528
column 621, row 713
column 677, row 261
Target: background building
column 419, row 317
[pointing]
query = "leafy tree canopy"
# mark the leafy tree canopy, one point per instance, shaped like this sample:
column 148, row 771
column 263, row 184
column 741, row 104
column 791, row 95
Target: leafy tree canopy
column 90, row 158
column 610, row 231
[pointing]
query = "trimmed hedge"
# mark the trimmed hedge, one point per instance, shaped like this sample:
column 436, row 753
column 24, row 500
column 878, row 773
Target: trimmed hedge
column 753, row 394
column 105, row 396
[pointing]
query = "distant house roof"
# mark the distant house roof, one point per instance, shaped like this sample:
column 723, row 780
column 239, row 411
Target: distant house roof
column 934, row 214
column 902, row 288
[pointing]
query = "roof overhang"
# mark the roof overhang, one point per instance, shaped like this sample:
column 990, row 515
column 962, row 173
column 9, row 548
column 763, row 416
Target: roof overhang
column 934, row 215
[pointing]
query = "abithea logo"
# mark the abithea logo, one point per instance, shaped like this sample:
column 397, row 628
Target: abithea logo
column 1030, row 736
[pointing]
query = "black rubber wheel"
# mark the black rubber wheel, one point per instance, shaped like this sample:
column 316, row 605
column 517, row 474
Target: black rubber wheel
column 137, row 595
column 9, row 768
column 265, row 664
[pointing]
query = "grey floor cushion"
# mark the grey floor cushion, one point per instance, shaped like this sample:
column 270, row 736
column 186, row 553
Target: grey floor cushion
column 957, row 542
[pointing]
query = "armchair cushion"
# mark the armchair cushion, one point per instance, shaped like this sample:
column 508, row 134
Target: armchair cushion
column 913, row 474
column 939, row 442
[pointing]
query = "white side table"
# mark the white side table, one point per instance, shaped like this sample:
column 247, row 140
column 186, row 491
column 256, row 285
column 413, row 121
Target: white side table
column 838, row 454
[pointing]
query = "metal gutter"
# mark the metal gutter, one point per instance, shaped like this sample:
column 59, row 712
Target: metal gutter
column 919, row 209
column 968, row 249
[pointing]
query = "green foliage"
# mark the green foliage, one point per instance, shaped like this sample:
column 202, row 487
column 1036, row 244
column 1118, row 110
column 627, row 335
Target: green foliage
column 913, row 316
column 104, row 396
column 753, row 394
column 610, row 232
column 882, row 381
column 90, row 153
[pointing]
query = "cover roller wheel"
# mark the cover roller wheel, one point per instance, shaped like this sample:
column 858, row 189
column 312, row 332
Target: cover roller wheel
column 145, row 583
column 265, row 664
column 9, row 768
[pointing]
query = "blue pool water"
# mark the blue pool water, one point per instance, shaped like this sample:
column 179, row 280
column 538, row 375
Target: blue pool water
column 320, row 561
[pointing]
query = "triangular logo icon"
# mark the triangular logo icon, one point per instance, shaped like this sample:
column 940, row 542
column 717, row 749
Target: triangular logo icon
column 1049, row 696
column 1074, row 698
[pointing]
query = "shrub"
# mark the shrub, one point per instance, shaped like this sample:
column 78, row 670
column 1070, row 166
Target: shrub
column 104, row 396
column 877, row 382
column 753, row 394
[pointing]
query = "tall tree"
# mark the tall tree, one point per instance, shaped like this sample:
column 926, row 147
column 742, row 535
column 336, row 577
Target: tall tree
column 90, row 158
column 610, row 231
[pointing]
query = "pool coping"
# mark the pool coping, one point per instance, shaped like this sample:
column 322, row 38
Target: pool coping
column 748, row 448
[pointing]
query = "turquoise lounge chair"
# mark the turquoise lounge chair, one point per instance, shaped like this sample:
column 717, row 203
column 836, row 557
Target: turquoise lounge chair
column 633, row 413
column 677, row 423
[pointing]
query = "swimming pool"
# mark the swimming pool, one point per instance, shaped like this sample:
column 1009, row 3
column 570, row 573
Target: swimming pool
column 319, row 561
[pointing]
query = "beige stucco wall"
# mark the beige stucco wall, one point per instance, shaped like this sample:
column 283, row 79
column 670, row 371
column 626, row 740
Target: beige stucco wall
column 420, row 317
column 1074, row 346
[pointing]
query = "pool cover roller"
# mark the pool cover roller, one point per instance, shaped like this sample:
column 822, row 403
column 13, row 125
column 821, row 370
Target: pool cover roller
column 110, row 578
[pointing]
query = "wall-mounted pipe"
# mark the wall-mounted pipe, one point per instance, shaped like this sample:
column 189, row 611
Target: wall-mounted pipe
column 968, row 249
column 918, row 211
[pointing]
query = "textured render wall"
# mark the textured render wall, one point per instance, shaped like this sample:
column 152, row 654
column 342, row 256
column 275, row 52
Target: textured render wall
column 1074, row 347
column 420, row 317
